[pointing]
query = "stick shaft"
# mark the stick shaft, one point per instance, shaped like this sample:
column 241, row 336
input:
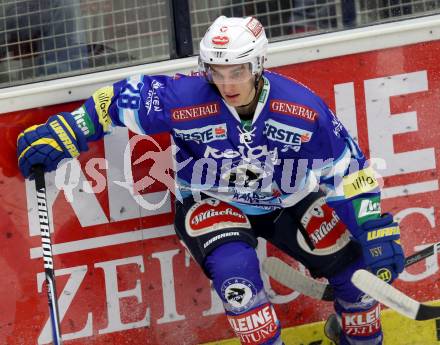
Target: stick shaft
column 310, row 287
column 423, row 254
column 43, row 216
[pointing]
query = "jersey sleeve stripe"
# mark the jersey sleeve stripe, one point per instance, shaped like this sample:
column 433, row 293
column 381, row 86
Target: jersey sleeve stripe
column 130, row 118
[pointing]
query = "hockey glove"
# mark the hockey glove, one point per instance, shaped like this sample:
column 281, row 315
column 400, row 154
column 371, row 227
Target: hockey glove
column 380, row 241
column 47, row 144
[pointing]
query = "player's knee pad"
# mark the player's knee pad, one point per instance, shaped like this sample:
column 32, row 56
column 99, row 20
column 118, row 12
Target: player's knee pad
column 231, row 260
column 358, row 314
column 234, row 269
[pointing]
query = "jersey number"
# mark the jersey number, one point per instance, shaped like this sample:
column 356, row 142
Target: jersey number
column 130, row 97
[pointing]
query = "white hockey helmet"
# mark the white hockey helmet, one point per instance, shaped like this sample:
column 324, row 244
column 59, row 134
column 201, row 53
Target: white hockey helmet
column 233, row 41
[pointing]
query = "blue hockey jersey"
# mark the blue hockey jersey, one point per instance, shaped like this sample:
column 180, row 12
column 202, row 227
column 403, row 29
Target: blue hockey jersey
column 293, row 145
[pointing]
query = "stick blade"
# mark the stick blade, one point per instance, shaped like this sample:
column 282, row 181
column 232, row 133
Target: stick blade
column 428, row 312
column 385, row 293
column 295, row 280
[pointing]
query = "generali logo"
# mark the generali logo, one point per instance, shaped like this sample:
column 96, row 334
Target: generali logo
column 195, row 112
column 293, row 109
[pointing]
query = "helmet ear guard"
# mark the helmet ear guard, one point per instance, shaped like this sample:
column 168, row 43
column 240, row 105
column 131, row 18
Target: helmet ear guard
column 233, row 41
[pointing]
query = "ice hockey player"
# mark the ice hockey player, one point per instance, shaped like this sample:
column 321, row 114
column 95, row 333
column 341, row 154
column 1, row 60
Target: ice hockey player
column 258, row 155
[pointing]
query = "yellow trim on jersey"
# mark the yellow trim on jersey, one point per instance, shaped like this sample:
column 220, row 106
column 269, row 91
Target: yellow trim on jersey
column 362, row 181
column 102, row 99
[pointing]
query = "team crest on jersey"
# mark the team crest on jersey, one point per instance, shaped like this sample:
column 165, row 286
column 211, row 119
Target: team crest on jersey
column 292, row 137
column 246, row 137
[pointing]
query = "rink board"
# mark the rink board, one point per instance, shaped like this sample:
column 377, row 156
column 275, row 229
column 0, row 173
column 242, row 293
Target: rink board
column 122, row 274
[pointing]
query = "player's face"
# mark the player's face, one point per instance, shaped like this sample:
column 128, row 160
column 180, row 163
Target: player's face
column 235, row 83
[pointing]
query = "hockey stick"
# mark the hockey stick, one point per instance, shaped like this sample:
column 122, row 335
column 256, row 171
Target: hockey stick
column 43, row 216
column 362, row 279
column 393, row 298
column 297, row 281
